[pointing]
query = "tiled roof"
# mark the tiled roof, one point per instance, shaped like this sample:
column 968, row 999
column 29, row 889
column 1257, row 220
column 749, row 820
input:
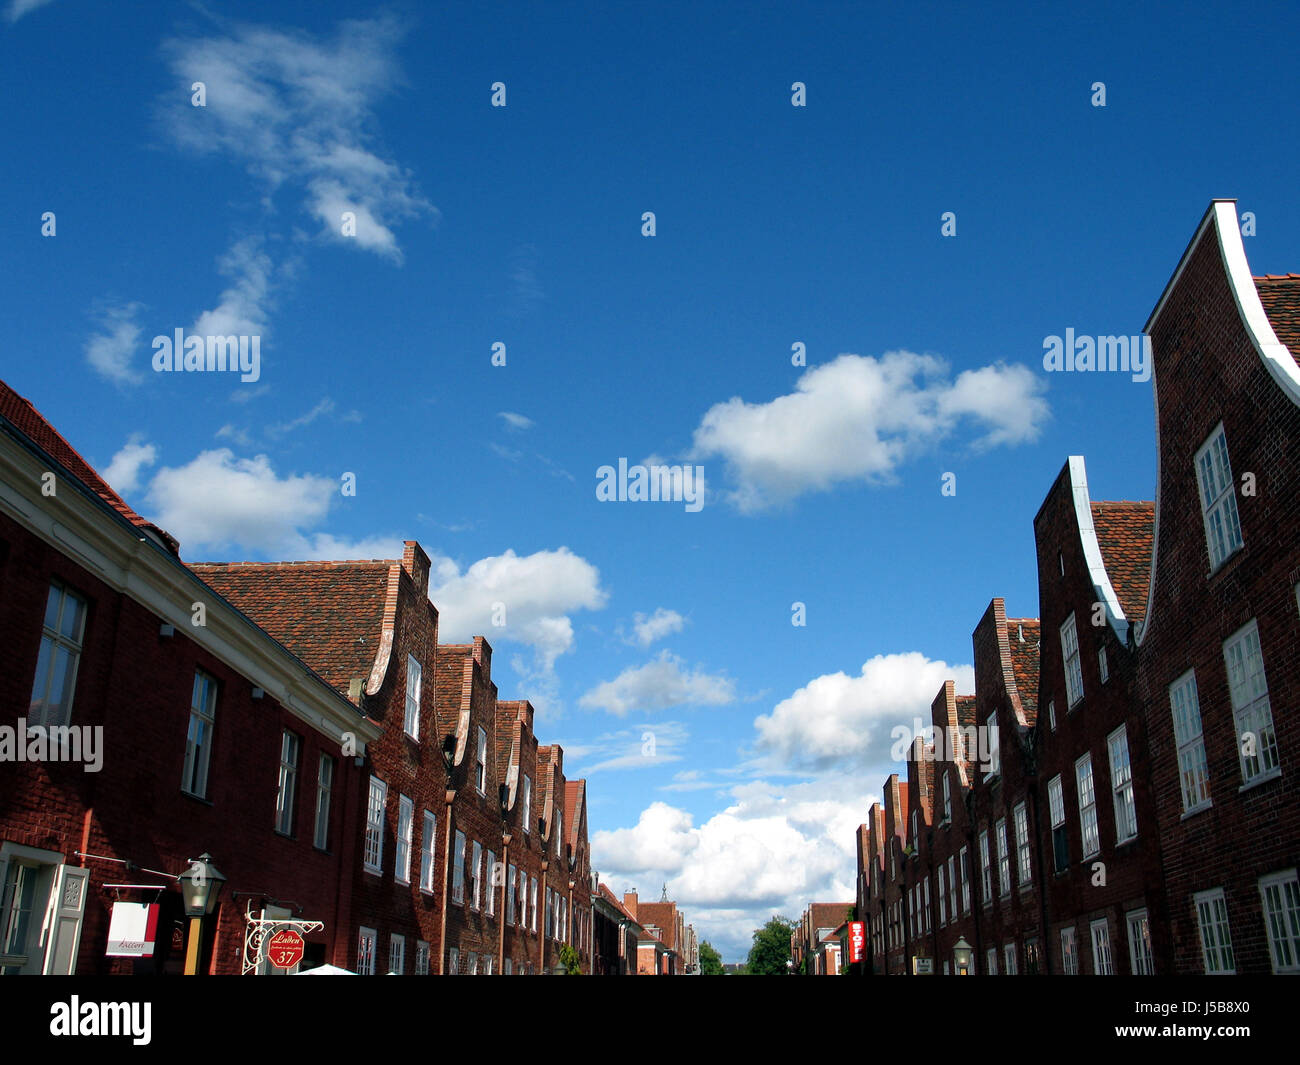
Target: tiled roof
column 575, row 798
column 32, row 424
column 329, row 614
column 1023, row 636
column 1124, row 533
column 965, row 711
column 1280, row 295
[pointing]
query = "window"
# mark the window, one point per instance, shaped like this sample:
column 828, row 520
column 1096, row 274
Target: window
column 453, row 962
column 1218, row 499
column 397, row 954
column 485, row 964
column 373, row 857
column 1192, row 769
column 1004, row 860
column 947, row 796
column 1087, row 806
column 1281, row 896
column 1009, row 954
column 1073, row 668
column 286, row 789
column 943, row 895
column 476, row 874
column 925, row 905
column 528, row 804
column 1056, row 806
column 198, row 741
column 1121, row 782
column 1139, row 944
column 1102, row 666
column 523, row 899
column 471, row 965
column 510, row 896
column 366, row 951
column 965, row 880
column 509, row 967
column 324, row 785
column 991, row 961
column 986, row 869
column 458, row 868
column 493, row 879
column 952, row 885
column 56, row 665
column 421, row 958
column 1069, row 953
column 532, row 904
column 427, row 860
column 995, row 753
column 915, row 831
column 1022, row 846
column 1216, row 939
column 1031, row 957
column 405, row 820
column 1101, row 963
column 550, row 914
column 1250, row 709
column 480, row 762
column 414, row 677
column 1051, row 714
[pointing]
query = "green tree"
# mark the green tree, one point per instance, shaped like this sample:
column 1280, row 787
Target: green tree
column 771, row 949
column 710, row 960
column 571, row 960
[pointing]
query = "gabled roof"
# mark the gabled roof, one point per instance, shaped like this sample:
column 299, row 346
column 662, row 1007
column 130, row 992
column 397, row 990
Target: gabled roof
column 1280, row 295
column 575, row 809
column 329, row 614
column 32, row 424
column 1125, row 535
column 966, row 711
column 1023, row 638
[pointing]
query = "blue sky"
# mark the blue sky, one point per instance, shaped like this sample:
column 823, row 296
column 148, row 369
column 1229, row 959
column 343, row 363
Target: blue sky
column 631, row 624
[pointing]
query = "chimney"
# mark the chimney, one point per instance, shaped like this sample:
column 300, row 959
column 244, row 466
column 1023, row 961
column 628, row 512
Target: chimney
column 416, row 563
column 483, row 655
column 629, row 904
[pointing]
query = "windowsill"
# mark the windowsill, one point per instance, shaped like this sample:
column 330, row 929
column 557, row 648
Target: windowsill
column 1227, row 560
column 1073, row 706
column 1089, row 857
column 1126, row 842
column 372, row 872
column 426, row 891
column 399, row 880
column 197, row 798
column 1199, row 808
column 285, row 835
column 321, row 850
column 1263, row 778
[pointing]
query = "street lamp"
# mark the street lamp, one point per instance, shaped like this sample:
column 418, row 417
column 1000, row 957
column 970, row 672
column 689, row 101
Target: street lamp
column 200, row 889
column 962, row 957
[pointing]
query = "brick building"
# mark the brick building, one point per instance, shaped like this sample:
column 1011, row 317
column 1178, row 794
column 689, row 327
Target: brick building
column 192, row 731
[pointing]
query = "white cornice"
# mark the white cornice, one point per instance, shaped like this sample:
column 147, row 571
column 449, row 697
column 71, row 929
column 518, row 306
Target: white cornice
column 1092, row 550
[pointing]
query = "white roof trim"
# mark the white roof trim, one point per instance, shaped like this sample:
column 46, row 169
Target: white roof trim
column 1092, row 549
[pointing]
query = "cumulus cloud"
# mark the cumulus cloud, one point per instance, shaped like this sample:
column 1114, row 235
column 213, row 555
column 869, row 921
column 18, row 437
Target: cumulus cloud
column 18, row 8
column 298, row 112
column 242, row 308
column 534, row 593
column 656, row 626
column 112, row 350
column 659, row 684
column 123, row 472
column 858, row 418
column 837, row 720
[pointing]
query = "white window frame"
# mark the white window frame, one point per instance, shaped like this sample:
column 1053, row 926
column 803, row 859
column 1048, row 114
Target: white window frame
column 995, row 745
column 458, row 869
column 421, row 958
column 947, row 796
column 952, row 885
column 528, row 804
column 405, row 823
column 287, row 785
column 414, row 680
column 1069, row 952
column 991, row 961
column 480, row 762
column 1248, row 688
column 1121, row 785
column 1280, row 898
column 1071, row 660
column 942, row 894
column 1103, row 667
column 453, row 961
column 512, row 875
column 1004, row 859
column 198, row 738
column 367, row 939
column 428, row 859
column 1141, row 961
column 476, row 875
column 491, row 866
column 58, row 647
column 324, row 794
column 1086, row 792
column 1009, row 959
column 986, row 869
column 1020, row 817
column 397, row 954
column 1103, row 963
column 1051, row 714
column 1215, row 931
column 964, row 864
column 532, row 904
column 1193, row 769
column 372, row 856
column 1218, row 496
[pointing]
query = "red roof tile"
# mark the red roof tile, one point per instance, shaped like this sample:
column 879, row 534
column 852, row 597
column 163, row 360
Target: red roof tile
column 1023, row 637
column 1125, row 535
column 1280, row 295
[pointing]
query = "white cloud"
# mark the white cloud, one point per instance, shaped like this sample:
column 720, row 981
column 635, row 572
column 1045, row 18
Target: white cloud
column 658, row 684
column 537, row 592
column 774, row 849
column 515, row 421
column 858, row 418
column 656, row 626
column 837, row 720
column 297, row 111
column 123, row 472
column 19, row 8
column 647, row 746
column 112, row 350
column 325, row 406
column 242, row 310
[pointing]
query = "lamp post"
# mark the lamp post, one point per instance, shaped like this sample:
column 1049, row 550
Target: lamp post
column 449, row 760
column 503, row 798
column 962, row 957
column 200, row 889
